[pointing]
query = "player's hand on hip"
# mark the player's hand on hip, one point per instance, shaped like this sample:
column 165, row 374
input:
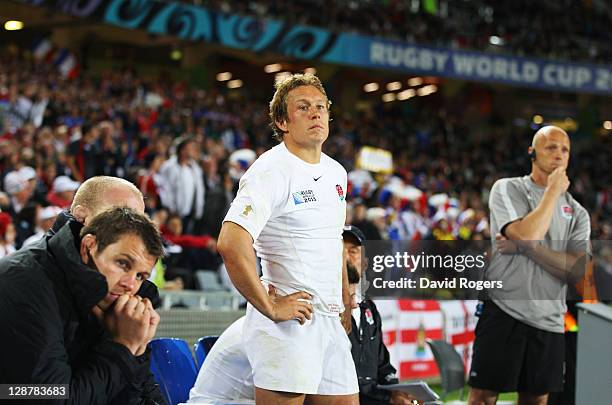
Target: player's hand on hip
column 346, row 318
column 288, row 307
column 558, row 183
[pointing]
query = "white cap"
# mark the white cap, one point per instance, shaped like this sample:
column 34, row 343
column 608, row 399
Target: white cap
column 14, row 183
column 49, row 212
column 64, row 183
column 375, row 213
column 27, row 173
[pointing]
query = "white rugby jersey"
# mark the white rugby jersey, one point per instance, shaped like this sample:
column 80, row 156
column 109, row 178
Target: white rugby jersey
column 295, row 212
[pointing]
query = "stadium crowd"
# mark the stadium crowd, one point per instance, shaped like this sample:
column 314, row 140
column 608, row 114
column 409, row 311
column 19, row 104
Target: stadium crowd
column 570, row 30
column 186, row 149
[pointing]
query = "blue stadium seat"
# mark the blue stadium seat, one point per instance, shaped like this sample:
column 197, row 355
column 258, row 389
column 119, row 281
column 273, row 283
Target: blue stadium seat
column 202, row 348
column 173, row 367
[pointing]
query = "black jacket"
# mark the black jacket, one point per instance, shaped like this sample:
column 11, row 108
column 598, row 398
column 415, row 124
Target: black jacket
column 147, row 289
column 49, row 336
column 371, row 356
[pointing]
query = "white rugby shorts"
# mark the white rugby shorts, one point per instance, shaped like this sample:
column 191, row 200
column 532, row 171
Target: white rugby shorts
column 314, row 358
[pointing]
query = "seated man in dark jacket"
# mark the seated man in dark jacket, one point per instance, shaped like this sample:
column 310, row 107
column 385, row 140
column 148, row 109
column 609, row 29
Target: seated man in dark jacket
column 70, row 314
column 369, row 352
column 98, row 194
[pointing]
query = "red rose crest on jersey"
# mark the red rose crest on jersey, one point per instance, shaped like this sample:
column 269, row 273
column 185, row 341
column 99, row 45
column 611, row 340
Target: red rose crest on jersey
column 340, row 192
column 369, row 316
column 567, row 211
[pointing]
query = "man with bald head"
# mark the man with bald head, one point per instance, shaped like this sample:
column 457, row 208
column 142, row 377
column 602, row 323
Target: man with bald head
column 98, row 194
column 542, row 243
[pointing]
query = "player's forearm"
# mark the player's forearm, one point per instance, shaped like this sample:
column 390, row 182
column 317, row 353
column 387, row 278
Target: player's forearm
column 534, row 225
column 236, row 247
column 240, row 263
column 560, row 264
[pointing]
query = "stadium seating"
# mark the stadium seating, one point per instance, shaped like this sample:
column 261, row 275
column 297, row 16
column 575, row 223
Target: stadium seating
column 450, row 364
column 202, row 348
column 173, row 367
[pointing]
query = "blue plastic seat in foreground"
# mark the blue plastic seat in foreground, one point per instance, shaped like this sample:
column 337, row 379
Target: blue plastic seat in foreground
column 173, row 367
column 202, row 348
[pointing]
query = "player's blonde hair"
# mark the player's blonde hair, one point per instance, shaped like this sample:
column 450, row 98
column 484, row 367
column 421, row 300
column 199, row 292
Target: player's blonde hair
column 278, row 105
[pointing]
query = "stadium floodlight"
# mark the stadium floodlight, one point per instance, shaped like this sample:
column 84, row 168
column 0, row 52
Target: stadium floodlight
column 224, row 76
column 13, row 25
column 394, row 86
column 538, row 119
column 607, row 125
column 406, row 94
column 176, row 54
column 427, row 90
column 415, row 81
column 310, row 70
column 495, row 40
column 234, row 84
column 370, row 87
column 388, row 97
column 273, row 68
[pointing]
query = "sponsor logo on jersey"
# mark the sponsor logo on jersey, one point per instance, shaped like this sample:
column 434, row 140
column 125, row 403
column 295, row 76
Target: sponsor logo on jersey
column 567, row 212
column 340, row 192
column 304, row 196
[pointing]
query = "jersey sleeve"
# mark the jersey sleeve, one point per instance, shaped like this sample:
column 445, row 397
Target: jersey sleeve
column 580, row 234
column 507, row 203
column 259, row 197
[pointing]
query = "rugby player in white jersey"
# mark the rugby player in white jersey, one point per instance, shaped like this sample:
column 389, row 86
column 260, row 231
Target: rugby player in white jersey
column 291, row 208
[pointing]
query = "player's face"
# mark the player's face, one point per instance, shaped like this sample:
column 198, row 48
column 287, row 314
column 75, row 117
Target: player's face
column 125, row 264
column 552, row 151
column 308, row 117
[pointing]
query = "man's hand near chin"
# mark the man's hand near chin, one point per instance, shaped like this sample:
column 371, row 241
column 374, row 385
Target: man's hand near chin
column 131, row 321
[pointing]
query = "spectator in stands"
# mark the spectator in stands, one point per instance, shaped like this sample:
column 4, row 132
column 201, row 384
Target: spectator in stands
column 19, row 191
column 360, row 220
column 173, row 232
column 86, row 280
column 149, row 180
column 182, row 185
column 187, row 253
column 7, row 234
column 84, row 153
column 62, row 192
column 44, row 221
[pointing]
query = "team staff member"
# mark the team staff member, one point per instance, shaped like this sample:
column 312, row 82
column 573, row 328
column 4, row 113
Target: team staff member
column 291, row 207
column 543, row 238
column 97, row 194
column 369, row 352
column 71, row 314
